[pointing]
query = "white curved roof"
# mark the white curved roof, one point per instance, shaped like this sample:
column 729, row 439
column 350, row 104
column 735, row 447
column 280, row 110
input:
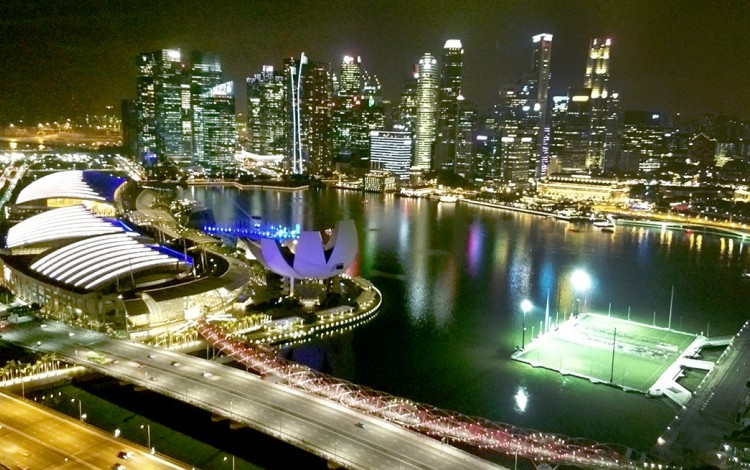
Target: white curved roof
column 311, row 258
column 59, row 224
column 95, row 261
column 73, row 184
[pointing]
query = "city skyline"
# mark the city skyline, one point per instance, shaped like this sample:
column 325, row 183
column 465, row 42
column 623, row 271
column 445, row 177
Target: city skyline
column 685, row 66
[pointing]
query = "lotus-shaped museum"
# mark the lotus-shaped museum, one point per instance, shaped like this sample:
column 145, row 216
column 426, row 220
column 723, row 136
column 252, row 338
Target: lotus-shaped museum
column 310, row 256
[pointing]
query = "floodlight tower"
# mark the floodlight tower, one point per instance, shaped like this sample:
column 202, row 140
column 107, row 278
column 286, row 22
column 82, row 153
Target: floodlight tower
column 581, row 283
column 525, row 307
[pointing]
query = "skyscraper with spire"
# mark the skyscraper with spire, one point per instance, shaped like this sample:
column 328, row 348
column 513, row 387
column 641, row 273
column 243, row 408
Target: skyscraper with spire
column 448, row 108
column 425, row 122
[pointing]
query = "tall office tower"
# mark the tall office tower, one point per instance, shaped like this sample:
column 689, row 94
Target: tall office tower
column 485, row 155
column 205, row 74
column 613, row 161
column 424, row 129
column 310, row 101
column 597, row 79
column 448, row 96
column 465, row 129
column 163, row 87
column 573, row 132
column 406, row 111
column 557, row 125
column 347, row 112
column 218, row 136
column 643, row 140
column 266, row 112
column 516, row 119
column 129, row 116
column 391, row 150
column 540, row 73
column 350, row 79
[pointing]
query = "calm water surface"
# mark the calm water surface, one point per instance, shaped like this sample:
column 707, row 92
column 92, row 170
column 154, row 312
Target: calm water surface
column 453, row 277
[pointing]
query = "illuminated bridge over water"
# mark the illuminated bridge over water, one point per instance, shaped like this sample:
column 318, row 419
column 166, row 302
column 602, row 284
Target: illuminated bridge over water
column 314, row 411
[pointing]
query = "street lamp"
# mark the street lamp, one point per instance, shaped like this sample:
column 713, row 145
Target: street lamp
column 525, row 307
column 81, row 414
column 581, row 283
column 148, row 437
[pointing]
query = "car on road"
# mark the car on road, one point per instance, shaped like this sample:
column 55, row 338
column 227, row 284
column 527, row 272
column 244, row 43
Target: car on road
column 118, row 466
column 362, row 425
column 125, row 455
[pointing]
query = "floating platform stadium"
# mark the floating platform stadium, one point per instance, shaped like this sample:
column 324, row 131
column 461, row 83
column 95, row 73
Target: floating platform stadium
column 618, row 352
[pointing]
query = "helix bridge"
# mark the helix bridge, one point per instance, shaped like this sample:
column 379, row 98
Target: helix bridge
column 478, row 433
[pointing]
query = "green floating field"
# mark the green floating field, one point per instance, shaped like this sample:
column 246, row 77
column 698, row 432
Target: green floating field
column 583, row 347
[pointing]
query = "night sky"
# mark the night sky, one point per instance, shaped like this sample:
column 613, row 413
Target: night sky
column 58, row 58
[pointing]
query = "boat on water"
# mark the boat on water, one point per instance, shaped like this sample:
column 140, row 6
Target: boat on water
column 745, row 274
column 608, row 229
column 608, row 222
column 448, row 198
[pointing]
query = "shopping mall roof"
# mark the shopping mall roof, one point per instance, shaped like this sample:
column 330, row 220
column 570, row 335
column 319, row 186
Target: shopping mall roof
column 87, row 185
column 96, row 261
column 64, row 223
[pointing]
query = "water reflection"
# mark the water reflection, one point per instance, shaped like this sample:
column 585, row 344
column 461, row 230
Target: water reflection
column 522, row 399
column 452, row 281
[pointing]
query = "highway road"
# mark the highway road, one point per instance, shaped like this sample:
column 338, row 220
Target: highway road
column 33, row 437
column 322, row 427
column 700, row 428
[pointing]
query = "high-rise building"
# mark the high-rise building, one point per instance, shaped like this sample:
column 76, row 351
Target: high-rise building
column 449, row 95
column 163, row 104
column 597, row 79
column 349, row 136
column 465, row 130
column 540, row 78
column 406, row 112
column 391, row 151
column 425, row 122
column 516, row 118
column 185, row 115
column 266, row 112
column 218, row 135
column 571, row 121
column 129, row 114
column 350, row 79
column 310, row 100
column 205, row 74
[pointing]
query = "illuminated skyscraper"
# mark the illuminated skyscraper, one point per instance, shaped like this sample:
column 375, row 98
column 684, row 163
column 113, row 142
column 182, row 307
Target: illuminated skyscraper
column 185, row 116
column 266, row 112
column 597, row 68
column 205, row 74
column 309, row 87
column 540, row 71
column 448, row 95
column 406, row 112
column 163, row 104
column 350, row 81
column 574, row 131
column 597, row 79
column 427, row 91
column 218, row 135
